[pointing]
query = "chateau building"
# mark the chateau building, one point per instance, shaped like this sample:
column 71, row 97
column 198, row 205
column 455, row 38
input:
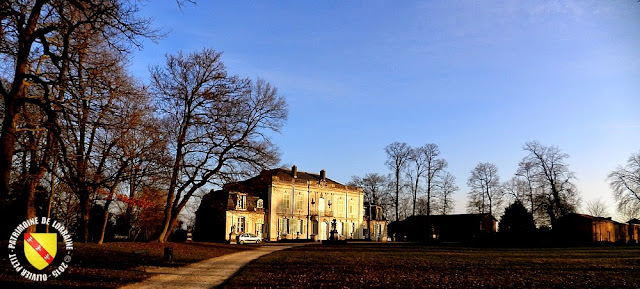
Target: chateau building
column 284, row 204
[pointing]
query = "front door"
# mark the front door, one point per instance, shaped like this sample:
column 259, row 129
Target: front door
column 323, row 235
column 259, row 229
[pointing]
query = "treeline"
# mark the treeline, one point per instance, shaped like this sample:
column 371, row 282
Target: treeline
column 418, row 183
column 543, row 185
column 86, row 143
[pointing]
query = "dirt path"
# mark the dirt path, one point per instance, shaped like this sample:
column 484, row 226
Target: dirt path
column 207, row 273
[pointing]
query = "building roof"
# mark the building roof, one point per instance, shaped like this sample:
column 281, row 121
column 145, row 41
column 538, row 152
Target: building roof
column 284, row 174
column 451, row 218
column 592, row 218
column 257, row 187
column 262, row 181
column 464, row 216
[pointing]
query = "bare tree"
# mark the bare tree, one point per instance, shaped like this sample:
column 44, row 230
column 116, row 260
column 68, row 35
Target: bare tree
column 486, row 194
column 66, row 207
column 95, row 120
column 443, row 196
column 628, row 212
column 415, row 169
column 35, row 147
column 374, row 186
column 557, row 195
column 404, row 206
column 625, row 182
column 217, row 125
column 596, row 208
column 135, row 144
column 376, row 189
column 516, row 189
column 397, row 159
column 434, row 168
column 40, row 34
column 528, row 183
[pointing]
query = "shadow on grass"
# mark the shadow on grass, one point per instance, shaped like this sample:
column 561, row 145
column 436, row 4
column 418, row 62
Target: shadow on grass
column 406, row 265
column 109, row 265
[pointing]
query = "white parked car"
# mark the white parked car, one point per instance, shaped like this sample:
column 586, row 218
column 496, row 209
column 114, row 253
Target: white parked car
column 248, row 238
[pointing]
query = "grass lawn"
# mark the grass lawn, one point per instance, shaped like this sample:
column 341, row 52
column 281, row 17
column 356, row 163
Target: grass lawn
column 110, row 265
column 394, row 265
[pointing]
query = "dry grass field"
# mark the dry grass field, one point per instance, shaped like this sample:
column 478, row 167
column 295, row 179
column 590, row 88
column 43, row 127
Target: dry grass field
column 112, row 264
column 396, row 265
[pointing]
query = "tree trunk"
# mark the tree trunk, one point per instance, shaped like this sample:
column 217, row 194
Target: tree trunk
column 397, row 194
column 429, row 197
column 175, row 212
column 172, row 184
column 415, row 194
column 166, row 222
column 7, row 142
column 8, row 132
column 171, row 224
column 85, row 208
column 50, row 202
column 428, row 203
column 105, row 222
column 30, row 189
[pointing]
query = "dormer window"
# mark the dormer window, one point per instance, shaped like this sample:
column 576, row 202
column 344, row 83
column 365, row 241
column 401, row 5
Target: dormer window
column 260, row 204
column 242, row 202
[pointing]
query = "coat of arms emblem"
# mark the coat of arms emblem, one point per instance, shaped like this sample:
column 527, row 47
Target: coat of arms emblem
column 40, row 248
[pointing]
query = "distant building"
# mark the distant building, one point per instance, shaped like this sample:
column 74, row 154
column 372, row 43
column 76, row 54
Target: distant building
column 463, row 227
column 585, row 229
column 446, row 228
column 376, row 224
column 284, row 204
column 634, row 231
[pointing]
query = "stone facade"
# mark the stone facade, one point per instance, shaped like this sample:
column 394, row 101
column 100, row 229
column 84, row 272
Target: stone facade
column 303, row 205
column 283, row 204
column 376, row 229
column 585, row 229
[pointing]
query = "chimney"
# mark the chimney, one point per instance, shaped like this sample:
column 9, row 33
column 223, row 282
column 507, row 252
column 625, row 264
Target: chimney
column 323, row 175
column 294, row 171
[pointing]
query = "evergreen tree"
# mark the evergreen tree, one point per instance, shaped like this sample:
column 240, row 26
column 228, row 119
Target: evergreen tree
column 516, row 225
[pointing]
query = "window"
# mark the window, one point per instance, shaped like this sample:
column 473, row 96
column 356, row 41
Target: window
column 314, row 228
column 260, row 204
column 301, row 227
column 286, row 201
column 340, row 207
column 242, row 202
column 283, row 225
column 321, row 206
column 293, row 227
column 351, row 207
column 299, row 202
column 240, row 226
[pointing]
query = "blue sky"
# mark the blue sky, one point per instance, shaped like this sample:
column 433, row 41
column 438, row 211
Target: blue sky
column 478, row 78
